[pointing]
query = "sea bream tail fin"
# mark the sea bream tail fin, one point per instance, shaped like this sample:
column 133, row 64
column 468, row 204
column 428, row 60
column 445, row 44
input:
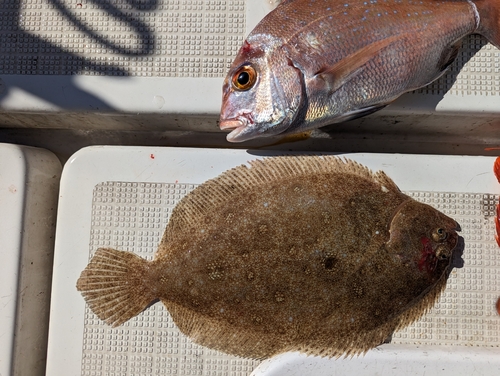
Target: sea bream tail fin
column 488, row 19
column 115, row 285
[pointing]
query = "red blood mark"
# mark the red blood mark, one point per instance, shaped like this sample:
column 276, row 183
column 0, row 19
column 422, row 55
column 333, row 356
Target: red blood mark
column 246, row 48
column 79, row 5
column 492, row 148
column 152, row 156
column 248, row 116
column 428, row 260
column 498, row 306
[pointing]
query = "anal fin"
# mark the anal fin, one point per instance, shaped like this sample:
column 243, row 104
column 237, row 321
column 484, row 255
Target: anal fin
column 222, row 336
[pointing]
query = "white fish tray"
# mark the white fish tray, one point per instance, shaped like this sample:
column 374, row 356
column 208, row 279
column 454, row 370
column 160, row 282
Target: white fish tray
column 29, row 183
column 122, row 196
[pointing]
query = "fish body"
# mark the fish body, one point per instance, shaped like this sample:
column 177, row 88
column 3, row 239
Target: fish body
column 310, row 63
column 311, row 254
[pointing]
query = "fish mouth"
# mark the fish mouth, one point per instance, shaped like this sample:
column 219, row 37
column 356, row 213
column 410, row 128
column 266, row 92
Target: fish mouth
column 236, row 127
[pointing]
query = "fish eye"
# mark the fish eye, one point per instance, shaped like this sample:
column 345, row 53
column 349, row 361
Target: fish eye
column 442, row 254
column 244, row 78
column 439, row 235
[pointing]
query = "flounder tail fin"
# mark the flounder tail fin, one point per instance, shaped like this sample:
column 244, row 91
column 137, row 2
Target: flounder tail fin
column 115, row 285
column 488, row 14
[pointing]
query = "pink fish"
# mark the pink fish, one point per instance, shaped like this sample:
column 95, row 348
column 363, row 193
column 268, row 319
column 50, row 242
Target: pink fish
column 310, row 63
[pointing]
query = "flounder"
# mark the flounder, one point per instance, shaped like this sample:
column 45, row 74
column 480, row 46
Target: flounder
column 310, row 253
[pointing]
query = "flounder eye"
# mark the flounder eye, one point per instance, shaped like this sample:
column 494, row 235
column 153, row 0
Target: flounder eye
column 244, row 78
column 439, row 235
column 442, row 253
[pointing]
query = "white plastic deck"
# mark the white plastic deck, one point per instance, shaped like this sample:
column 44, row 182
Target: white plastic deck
column 121, row 197
column 29, row 181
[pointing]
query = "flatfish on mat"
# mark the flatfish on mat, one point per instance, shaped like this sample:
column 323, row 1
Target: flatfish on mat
column 308, row 253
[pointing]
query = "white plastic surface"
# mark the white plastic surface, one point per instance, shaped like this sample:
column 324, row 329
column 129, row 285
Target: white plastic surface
column 147, row 56
column 119, row 197
column 29, row 180
column 11, row 216
column 389, row 360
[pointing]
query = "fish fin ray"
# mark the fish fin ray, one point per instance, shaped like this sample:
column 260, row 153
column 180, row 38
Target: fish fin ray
column 386, row 181
column 337, row 75
column 221, row 335
column 423, row 305
column 326, row 342
column 215, row 193
column 113, row 285
column 448, row 56
column 360, row 112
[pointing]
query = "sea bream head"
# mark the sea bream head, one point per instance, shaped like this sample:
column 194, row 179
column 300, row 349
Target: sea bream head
column 262, row 93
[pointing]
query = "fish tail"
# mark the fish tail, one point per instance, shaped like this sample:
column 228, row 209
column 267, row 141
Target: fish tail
column 488, row 17
column 115, row 285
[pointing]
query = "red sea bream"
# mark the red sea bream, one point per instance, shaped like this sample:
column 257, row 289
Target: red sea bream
column 310, row 63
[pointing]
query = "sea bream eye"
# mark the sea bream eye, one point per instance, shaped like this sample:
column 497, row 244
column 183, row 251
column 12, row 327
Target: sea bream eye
column 244, row 78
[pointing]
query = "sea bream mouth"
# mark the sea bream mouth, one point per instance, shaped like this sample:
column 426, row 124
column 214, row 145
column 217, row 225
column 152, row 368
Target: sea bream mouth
column 239, row 127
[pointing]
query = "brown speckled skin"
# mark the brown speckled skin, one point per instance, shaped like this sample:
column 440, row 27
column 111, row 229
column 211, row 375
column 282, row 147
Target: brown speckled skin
column 409, row 44
column 295, row 253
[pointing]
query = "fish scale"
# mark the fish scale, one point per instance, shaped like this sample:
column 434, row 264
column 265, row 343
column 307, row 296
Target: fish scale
column 320, row 62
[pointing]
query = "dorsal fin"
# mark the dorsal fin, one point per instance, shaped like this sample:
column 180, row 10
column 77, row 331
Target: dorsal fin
column 213, row 193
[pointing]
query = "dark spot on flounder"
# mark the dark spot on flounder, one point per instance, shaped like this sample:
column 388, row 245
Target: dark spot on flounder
column 330, row 263
column 281, row 275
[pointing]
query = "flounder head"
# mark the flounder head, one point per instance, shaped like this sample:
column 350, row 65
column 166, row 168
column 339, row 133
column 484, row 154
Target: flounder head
column 423, row 237
column 262, row 93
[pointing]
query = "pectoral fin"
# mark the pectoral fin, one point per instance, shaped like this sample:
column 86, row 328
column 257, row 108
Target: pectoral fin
column 333, row 77
column 360, row 112
column 448, row 56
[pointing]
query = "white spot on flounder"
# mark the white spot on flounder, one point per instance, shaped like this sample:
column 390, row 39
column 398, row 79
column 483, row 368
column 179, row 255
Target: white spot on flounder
column 384, row 189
